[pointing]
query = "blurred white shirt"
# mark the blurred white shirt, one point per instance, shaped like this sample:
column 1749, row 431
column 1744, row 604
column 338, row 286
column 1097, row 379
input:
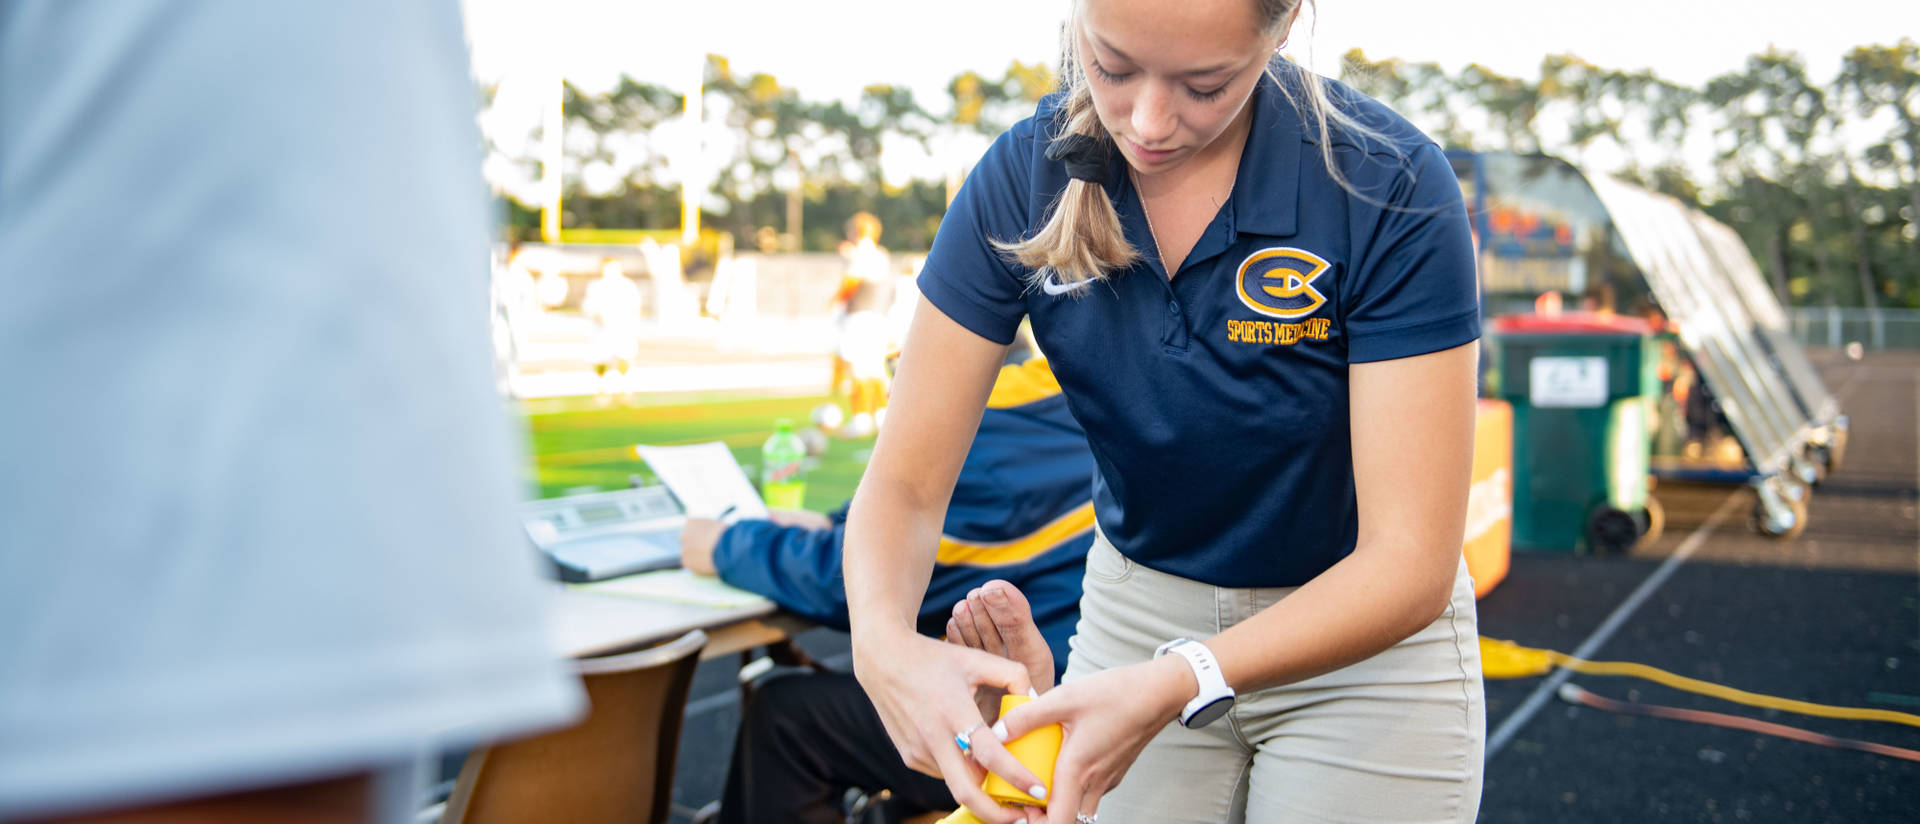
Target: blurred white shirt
column 613, row 301
column 256, row 492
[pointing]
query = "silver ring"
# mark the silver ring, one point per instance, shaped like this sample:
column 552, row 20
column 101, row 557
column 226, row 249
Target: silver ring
column 965, row 741
column 1084, row 818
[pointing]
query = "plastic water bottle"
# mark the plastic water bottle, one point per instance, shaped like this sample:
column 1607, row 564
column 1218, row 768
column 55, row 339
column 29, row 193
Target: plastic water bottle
column 783, row 477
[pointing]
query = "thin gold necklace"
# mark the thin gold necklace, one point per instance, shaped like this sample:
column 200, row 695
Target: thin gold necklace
column 1147, row 213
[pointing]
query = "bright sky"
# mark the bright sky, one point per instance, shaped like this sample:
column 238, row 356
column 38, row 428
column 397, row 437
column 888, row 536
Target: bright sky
column 834, row 49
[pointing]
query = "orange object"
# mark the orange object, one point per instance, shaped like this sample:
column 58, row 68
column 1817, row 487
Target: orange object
column 848, row 286
column 1501, row 221
column 1547, row 305
column 1489, row 544
column 1559, row 322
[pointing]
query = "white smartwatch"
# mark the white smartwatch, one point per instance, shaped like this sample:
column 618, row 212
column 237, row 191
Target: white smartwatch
column 1215, row 696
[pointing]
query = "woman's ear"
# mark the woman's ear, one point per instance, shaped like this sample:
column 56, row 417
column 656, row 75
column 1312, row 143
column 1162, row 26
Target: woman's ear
column 1286, row 29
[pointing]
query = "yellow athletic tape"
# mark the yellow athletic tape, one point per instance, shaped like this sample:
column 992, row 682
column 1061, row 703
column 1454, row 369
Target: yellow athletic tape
column 1505, row 659
column 1037, row 750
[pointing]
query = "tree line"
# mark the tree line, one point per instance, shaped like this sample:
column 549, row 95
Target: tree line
column 1822, row 179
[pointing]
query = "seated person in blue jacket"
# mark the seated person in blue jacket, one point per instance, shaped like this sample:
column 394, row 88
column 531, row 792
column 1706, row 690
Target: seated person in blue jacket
column 1022, row 514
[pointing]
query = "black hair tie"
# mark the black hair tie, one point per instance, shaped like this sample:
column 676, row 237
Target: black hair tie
column 1085, row 156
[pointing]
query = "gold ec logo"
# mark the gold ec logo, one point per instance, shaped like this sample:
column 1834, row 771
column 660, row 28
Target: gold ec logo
column 1278, row 282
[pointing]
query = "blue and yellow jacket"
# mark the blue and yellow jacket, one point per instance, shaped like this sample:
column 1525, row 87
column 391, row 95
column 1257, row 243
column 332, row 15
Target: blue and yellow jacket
column 1022, row 511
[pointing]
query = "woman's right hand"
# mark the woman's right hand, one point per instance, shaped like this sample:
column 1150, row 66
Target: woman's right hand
column 923, row 690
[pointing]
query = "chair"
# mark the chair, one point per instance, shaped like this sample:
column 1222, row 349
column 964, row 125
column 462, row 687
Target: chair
column 616, row 765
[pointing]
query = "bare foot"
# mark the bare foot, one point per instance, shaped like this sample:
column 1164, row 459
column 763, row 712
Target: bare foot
column 996, row 618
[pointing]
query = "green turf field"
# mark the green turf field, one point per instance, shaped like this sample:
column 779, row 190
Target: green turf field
column 579, row 445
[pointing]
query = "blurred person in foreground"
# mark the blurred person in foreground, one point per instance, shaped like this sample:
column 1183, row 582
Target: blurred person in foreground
column 1021, row 522
column 259, row 487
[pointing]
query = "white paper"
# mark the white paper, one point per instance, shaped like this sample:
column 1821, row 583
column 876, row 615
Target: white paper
column 1578, row 383
column 678, row 586
column 705, row 478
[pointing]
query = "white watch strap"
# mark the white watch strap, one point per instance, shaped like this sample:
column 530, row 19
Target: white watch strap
column 1206, row 671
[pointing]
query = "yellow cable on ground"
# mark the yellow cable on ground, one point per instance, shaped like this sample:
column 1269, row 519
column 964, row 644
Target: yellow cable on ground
column 1506, row 659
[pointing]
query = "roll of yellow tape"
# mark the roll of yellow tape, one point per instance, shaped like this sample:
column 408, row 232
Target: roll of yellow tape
column 1037, row 750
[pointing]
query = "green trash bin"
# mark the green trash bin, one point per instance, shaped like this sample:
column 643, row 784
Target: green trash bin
column 1582, row 388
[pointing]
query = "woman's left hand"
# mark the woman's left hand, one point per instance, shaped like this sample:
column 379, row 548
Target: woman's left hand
column 1109, row 718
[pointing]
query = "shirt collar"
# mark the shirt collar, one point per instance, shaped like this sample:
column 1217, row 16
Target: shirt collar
column 1266, row 192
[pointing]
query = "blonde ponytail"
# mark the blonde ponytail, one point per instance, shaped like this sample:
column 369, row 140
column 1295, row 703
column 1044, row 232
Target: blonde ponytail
column 1082, row 239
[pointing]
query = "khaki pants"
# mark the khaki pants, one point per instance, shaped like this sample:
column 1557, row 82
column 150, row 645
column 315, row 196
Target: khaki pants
column 1398, row 737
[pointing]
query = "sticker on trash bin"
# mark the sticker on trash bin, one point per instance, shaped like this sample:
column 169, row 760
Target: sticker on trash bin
column 1568, row 382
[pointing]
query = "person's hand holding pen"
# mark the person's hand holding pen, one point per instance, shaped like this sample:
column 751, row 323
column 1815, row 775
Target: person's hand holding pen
column 700, row 536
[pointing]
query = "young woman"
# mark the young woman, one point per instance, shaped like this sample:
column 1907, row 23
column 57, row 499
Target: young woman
column 1257, row 291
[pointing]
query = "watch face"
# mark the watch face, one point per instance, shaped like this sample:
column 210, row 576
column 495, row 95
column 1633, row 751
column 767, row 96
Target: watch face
column 1209, row 713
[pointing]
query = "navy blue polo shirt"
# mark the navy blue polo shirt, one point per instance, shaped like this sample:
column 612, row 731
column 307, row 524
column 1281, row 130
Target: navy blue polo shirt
column 1216, row 401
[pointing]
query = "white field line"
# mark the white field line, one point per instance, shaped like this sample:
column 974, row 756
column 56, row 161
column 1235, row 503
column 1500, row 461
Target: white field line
column 1621, row 613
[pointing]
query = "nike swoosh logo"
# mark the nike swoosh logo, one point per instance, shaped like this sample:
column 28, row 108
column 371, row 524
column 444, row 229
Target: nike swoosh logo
column 1051, row 285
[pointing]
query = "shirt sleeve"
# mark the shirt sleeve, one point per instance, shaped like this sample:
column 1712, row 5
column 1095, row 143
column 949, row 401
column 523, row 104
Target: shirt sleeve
column 965, row 276
column 1417, row 291
column 795, row 567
